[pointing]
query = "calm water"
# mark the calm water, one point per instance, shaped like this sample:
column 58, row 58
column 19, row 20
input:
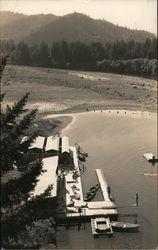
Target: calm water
column 116, row 143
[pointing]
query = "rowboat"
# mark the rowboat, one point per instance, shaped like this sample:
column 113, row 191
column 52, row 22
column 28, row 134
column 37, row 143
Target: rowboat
column 82, row 156
column 90, row 196
column 101, row 226
column 95, row 187
column 124, row 226
column 91, row 193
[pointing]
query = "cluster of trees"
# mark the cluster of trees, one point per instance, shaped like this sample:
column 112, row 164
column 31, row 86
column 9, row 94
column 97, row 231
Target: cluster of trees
column 137, row 66
column 22, row 227
column 64, row 52
column 77, row 55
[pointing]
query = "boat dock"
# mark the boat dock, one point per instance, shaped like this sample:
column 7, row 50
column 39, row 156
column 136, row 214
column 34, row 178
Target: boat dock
column 76, row 207
column 108, row 202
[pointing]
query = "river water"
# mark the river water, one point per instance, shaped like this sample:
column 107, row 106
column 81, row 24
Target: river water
column 115, row 141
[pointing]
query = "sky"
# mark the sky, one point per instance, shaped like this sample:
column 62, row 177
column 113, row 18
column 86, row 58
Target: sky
column 134, row 14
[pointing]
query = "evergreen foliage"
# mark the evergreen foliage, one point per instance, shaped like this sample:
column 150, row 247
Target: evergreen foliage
column 14, row 122
column 21, row 225
column 3, row 61
column 77, row 55
column 39, row 234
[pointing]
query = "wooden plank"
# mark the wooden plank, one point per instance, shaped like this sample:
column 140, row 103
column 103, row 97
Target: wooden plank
column 103, row 186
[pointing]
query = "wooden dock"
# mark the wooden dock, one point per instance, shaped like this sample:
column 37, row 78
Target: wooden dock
column 103, row 185
column 78, row 208
column 75, row 206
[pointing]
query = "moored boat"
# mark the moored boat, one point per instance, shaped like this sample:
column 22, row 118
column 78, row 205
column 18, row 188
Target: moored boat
column 81, row 157
column 95, row 187
column 124, row 226
column 90, row 196
column 91, row 193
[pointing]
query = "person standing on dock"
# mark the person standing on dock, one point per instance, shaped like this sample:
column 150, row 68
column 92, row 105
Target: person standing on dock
column 108, row 190
column 137, row 200
column 80, row 211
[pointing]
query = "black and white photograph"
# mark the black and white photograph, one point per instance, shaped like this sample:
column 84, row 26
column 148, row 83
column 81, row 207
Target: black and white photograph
column 78, row 124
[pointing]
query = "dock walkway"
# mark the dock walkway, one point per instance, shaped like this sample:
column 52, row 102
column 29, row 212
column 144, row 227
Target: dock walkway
column 76, row 206
column 103, row 185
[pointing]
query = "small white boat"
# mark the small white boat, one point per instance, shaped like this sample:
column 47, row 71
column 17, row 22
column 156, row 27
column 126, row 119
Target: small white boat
column 101, row 226
column 150, row 157
column 124, row 226
column 72, row 210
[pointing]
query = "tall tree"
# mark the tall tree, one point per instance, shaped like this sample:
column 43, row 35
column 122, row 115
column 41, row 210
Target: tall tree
column 14, row 122
column 44, row 55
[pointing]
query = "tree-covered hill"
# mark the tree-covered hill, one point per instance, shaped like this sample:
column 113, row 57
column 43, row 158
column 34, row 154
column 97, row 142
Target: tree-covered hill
column 71, row 27
column 17, row 26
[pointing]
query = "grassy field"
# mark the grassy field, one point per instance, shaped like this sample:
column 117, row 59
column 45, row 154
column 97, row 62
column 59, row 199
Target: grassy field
column 66, row 91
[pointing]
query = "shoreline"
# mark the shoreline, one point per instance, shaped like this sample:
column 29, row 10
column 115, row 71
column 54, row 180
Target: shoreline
column 70, row 118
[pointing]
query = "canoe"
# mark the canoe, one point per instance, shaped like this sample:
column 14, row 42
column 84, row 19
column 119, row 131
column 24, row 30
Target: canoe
column 95, row 187
column 91, row 193
column 118, row 225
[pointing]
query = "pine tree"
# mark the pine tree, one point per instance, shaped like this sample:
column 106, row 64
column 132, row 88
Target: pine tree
column 3, row 61
column 22, row 54
column 44, row 55
column 14, row 122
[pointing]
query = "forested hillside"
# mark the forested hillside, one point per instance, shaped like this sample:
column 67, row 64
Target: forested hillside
column 71, row 27
column 17, row 26
column 118, row 57
column 76, row 41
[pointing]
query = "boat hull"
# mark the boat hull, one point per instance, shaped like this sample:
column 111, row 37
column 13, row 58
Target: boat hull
column 91, row 193
column 124, row 226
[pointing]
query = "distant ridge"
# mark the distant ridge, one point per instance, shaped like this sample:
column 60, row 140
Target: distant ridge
column 71, row 27
column 18, row 26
